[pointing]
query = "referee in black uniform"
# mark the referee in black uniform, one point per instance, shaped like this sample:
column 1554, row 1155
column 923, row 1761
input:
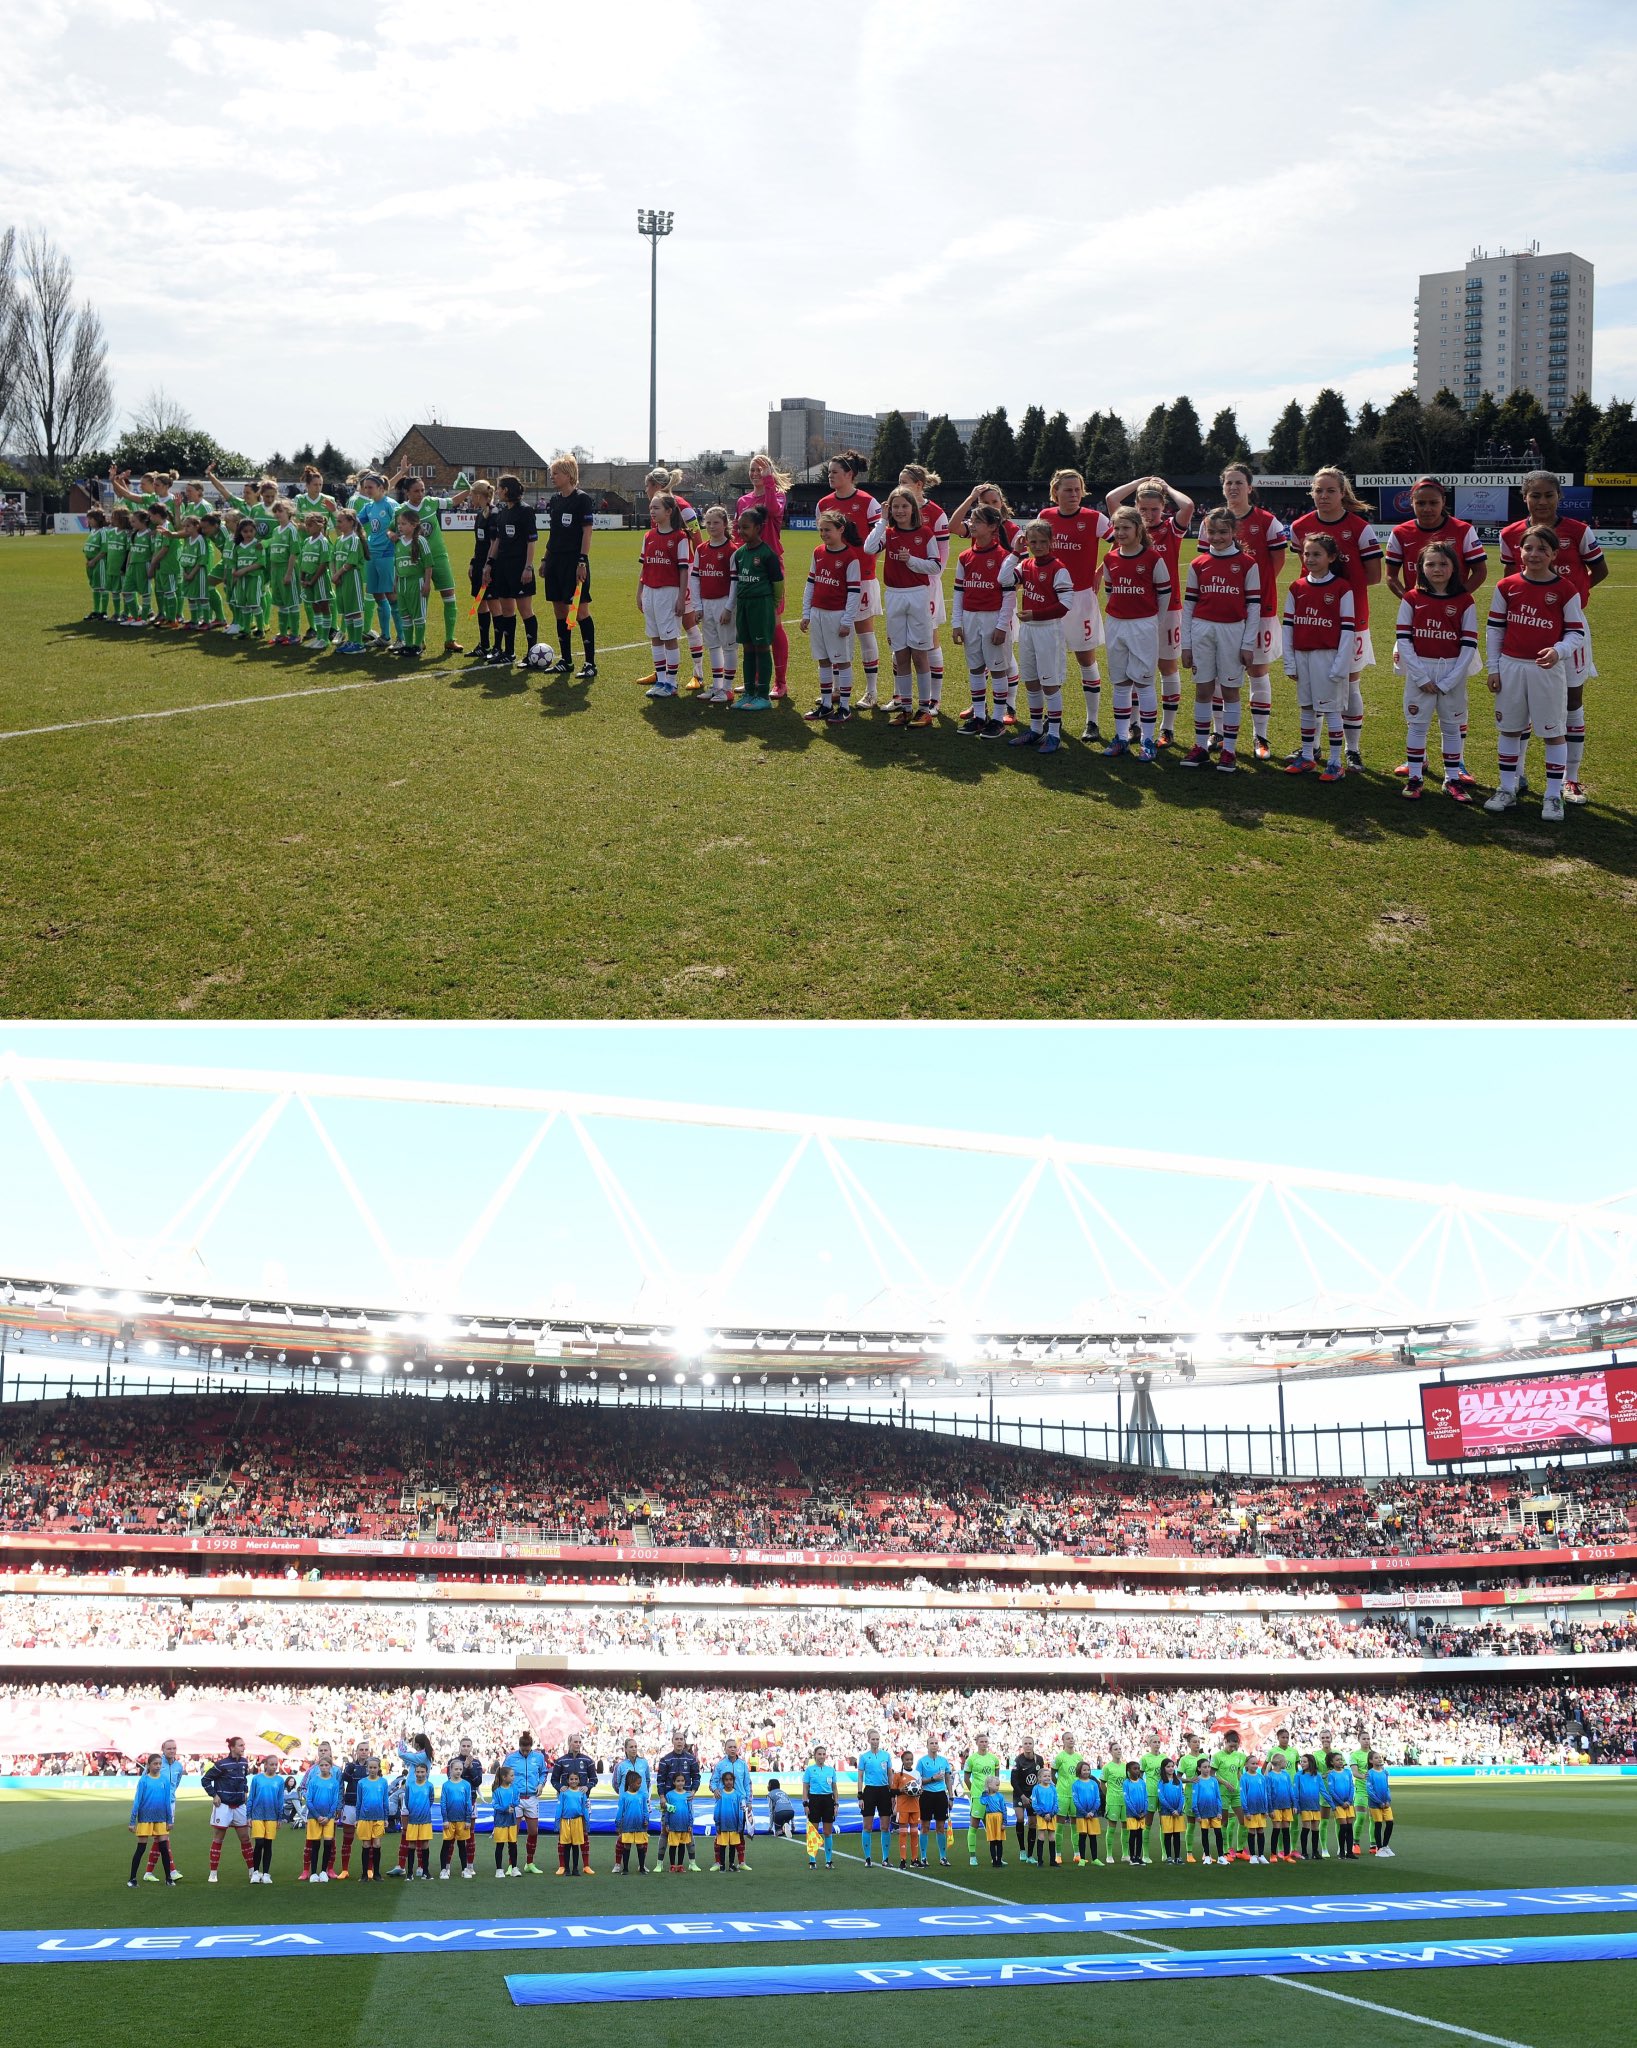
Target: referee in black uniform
column 511, row 565
column 567, row 571
column 485, row 525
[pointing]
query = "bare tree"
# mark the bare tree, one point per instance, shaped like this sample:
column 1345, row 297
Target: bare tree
column 65, row 398
column 160, row 418
column 8, row 331
column 387, row 432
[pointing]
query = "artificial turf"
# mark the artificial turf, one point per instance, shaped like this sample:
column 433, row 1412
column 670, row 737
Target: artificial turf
column 64, row 1857
column 456, row 842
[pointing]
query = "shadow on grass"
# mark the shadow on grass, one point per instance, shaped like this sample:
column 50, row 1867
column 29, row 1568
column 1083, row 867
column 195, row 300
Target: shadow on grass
column 780, row 731
column 492, row 680
column 1368, row 807
column 565, row 697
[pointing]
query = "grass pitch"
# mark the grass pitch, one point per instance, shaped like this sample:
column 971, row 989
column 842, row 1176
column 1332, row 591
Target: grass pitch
column 63, row 1864
column 449, row 842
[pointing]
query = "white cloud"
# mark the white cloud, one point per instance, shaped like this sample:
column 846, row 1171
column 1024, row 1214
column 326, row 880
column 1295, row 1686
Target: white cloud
column 300, row 221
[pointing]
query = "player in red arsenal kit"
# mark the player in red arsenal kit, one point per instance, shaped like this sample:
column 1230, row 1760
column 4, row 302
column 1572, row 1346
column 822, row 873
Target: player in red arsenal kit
column 666, row 480
column 1264, row 539
column 1137, row 599
column 1580, row 558
column 914, row 476
column 1340, row 512
column 713, row 587
column 912, row 561
column 1078, row 532
column 662, row 588
column 1166, row 516
column 1318, row 640
column 1433, row 521
column 829, row 613
column 1436, row 642
column 1221, row 613
column 985, row 605
column 1534, row 621
column 855, row 504
column 1044, row 592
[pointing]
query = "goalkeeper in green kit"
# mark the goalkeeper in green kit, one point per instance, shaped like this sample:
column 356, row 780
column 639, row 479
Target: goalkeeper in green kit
column 982, row 1768
column 411, row 491
column 759, row 582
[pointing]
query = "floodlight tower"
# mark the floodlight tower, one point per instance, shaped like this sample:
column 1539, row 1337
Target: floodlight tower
column 654, row 226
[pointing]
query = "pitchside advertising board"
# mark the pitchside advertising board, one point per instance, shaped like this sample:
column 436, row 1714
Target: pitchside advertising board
column 1553, row 1411
column 1485, row 504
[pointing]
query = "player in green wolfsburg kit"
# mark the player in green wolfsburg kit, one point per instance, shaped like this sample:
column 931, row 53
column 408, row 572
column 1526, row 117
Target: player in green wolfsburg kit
column 165, row 571
column 244, row 565
column 115, row 547
column 313, row 578
column 983, row 1767
column 1152, row 1757
column 1112, row 1776
column 95, row 550
column 193, row 571
column 414, row 571
column 349, row 554
column 1229, row 1761
column 312, row 497
column 1065, row 1769
column 411, row 491
column 282, row 546
column 134, row 585
column 759, row 581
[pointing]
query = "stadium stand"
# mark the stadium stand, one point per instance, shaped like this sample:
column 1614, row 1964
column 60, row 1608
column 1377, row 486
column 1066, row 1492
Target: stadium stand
column 327, row 1467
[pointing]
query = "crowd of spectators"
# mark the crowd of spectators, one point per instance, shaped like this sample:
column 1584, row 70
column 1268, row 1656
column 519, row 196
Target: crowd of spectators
column 950, row 1635
column 777, row 1727
column 651, row 1636
column 329, row 1466
column 52, row 1621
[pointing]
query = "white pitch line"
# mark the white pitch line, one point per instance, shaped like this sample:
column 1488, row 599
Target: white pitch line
column 404, row 675
column 1289, row 1983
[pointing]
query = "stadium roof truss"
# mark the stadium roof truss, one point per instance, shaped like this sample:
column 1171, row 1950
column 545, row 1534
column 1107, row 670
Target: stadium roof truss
column 1479, row 1278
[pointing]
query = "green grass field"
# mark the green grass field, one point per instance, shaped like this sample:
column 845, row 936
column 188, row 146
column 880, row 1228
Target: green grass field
column 451, row 843
column 63, row 1863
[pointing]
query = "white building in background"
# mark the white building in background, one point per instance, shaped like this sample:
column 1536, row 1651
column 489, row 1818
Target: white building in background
column 1514, row 320
column 804, row 432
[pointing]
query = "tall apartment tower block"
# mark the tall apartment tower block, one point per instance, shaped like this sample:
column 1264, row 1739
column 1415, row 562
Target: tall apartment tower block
column 1512, row 320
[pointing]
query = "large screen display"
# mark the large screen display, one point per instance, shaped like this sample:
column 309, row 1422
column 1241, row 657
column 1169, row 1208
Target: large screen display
column 1556, row 1411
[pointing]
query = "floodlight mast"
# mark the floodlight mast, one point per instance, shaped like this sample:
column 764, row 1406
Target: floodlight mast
column 654, row 226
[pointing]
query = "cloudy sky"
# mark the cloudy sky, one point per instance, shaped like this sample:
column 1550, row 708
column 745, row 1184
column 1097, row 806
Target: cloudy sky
column 306, row 220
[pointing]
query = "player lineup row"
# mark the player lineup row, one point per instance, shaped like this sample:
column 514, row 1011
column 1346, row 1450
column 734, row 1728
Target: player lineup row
column 1027, row 597
column 1233, row 1806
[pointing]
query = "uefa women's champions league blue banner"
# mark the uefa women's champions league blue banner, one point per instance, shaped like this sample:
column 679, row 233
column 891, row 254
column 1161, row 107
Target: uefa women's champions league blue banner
column 1020, row 1973
column 561, row 1932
